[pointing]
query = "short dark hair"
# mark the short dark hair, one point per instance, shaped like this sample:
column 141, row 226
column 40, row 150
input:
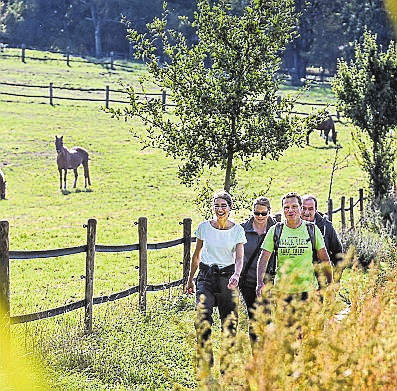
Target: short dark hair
column 261, row 201
column 310, row 197
column 292, row 194
column 225, row 196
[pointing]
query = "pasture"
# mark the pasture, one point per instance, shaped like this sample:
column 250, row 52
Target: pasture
column 127, row 183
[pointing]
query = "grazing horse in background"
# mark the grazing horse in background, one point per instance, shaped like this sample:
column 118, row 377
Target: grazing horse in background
column 71, row 159
column 327, row 125
column 2, row 186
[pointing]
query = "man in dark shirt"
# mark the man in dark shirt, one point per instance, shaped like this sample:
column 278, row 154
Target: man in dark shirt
column 331, row 238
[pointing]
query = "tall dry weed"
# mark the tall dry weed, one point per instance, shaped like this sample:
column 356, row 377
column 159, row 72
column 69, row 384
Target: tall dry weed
column 307, row 346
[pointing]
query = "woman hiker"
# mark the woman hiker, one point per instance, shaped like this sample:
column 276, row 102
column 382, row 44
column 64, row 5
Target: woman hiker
column 219, row 257
column 255, row 230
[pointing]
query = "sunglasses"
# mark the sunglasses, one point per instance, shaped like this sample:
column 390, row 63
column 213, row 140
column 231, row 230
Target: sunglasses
column 260, row 213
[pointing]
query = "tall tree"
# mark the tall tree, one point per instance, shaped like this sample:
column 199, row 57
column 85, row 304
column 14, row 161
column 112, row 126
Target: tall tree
column 327, row 30
column 357, row 16
column 100, row 13
column 224, row 87
column 366, row 89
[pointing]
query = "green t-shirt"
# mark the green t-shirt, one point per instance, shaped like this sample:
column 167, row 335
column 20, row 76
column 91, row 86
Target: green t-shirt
column 295, row 270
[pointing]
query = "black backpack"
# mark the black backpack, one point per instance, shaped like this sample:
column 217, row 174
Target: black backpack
column 278, row 229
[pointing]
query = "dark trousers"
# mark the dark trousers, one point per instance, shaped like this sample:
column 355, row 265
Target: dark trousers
column 211, row 292
column 249, row 296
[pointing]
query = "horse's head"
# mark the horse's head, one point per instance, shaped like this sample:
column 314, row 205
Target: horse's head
column 58, row 143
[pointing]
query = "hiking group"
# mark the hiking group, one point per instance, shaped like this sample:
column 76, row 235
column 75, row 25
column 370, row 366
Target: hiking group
column 257, row 252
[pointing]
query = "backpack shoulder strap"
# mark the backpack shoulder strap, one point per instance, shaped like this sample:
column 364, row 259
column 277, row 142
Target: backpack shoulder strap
column 278, row 229
column 311, row 229
column 272, row 265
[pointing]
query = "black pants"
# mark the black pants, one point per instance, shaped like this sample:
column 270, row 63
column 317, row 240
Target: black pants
column 211, row 292
column 249, row 296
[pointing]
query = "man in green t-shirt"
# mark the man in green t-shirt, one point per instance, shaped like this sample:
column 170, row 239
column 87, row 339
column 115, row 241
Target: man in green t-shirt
column 295, row 269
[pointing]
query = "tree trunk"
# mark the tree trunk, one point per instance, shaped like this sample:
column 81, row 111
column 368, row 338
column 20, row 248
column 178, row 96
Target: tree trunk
column 98, row 41
column 230, row 155
column 97, row 19
column 229, row 166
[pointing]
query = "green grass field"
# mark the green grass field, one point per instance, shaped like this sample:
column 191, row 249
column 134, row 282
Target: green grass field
column 127, row 183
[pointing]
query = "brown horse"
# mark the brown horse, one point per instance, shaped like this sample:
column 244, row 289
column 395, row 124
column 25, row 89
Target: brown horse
column 2, row 186
column 327, row 125
column 71, row 159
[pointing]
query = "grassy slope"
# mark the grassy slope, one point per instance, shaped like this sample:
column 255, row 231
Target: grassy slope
column 126, row 183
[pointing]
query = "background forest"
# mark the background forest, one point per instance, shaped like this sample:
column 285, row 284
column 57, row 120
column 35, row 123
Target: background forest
column 97, row 27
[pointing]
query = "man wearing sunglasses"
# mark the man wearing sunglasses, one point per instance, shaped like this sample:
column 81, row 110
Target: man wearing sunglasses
column 255, row 230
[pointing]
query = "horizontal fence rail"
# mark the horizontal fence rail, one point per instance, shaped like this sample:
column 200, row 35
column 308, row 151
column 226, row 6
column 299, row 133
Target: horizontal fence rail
column 105, row 95
column 91, row 94
column 91, row 248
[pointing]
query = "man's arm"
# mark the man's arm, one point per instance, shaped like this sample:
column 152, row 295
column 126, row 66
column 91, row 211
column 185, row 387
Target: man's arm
column 261, row 270
column 334, row 243
column 325, row 264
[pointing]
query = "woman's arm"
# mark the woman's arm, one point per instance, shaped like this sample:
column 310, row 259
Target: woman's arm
column 233, row 282
column 194, row 264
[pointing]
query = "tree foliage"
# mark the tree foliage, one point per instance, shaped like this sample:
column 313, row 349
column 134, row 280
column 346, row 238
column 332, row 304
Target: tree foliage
column 326, row 28
column 223, row 86
column 366, row 89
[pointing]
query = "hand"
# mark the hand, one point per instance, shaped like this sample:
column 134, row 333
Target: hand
column 233, row 282
column 190, row 288
column 259, row 290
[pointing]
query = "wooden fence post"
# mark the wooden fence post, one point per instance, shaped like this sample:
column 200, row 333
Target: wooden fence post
column 4, row 287
column 67, row 57
column 164, row 99
column 89, row 275
column 342, row 211
column 351, row 209
column 361, row 198
column 330, row 209
column 51, row 94
column 187, row 238
column 107, row 97
column 23, row 47
column 142, row 234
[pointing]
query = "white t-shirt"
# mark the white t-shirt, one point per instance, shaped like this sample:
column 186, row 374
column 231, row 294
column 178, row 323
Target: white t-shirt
column 219, row 245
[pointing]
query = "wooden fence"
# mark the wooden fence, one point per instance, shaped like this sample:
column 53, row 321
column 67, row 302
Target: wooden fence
column 68, row 58
column 91, row 248
column 321, row 76
column 53, row 94
column 104, row 94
